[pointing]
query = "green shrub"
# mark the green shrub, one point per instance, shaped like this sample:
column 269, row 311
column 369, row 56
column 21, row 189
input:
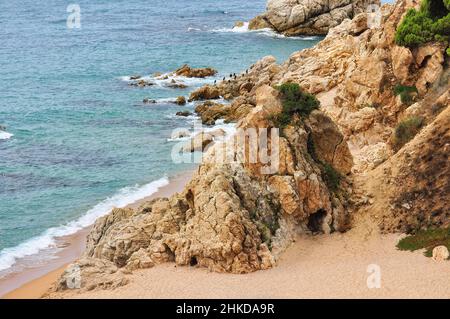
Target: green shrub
column 430, row 23
column 405, row 93
column 331, row 177
column 447, row 4
column 295, row 102
column 426, row 239
column 406, row 130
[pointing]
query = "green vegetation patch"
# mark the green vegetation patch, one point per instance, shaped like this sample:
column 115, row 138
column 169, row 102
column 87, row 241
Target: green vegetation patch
column 295, row 102
column 406, row 130
column 405, row 92
column 331, row 177
column 426, row 239
column 430, row 23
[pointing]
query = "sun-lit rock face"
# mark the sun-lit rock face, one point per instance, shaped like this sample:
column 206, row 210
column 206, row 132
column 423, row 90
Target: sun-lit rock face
column 308, row 17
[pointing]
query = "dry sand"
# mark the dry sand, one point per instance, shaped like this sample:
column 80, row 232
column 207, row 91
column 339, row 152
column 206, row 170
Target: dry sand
column 322, row 266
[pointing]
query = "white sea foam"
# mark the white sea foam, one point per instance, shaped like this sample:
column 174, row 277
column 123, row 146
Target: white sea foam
column 166, row 79
column 124, row 197
column 228, row 128
column 265, row 32
column 5, row 135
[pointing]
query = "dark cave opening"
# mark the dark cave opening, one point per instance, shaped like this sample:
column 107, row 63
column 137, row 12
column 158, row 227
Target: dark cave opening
column 193, row 261
column 315, row 221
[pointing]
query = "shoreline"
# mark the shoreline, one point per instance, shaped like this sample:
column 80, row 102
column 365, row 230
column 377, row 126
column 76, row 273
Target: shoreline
column 33, row 282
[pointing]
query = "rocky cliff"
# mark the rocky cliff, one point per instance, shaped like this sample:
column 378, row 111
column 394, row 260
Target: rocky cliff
column 233, row 218
column 230, row 217
column 305, row 17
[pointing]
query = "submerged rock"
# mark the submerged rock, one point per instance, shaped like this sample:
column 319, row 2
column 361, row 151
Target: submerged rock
column 149, row 101
column 176, row 85
column 183, row 113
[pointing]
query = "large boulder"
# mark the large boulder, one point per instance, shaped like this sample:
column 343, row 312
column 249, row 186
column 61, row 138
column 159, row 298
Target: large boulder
column 198, row 143
column 207, row 92
column 316, row 17
column 189, row 72
column 210, row 112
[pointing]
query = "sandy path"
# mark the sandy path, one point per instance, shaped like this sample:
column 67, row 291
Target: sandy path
column 314, row 267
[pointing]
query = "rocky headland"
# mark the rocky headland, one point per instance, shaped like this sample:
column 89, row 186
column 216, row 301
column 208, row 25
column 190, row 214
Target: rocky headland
column 344, row 164
column 305, row 17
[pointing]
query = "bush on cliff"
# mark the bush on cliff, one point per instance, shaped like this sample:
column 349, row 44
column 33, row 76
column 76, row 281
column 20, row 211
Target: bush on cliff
column 331, row 177
column 295, row 102
column 405, row 93
column 430, row 23
column 406, row 130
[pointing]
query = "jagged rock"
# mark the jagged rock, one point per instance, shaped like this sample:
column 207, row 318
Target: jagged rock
column 148, row 101
column 258, row 23
column 176, row 85
column 239, row 24
column 135, row 77
column 207, row 92
column 183, row 113
column 296, row 17
column 210, row 112
column 189, row 72
column 440, row 253
column 140, row 260
column 141, row 83
column 91, row 273
column 328, row 142
column 181, row 100
column 217, row 133
column 180, row 133
column 198, row 143
column 401, row 62
column 431, row 59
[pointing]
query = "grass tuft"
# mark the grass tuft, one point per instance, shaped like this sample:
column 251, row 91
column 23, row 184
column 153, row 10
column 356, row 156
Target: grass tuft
column 406, row 130
column 295, row 102
column 405, row 92
column 426, row 239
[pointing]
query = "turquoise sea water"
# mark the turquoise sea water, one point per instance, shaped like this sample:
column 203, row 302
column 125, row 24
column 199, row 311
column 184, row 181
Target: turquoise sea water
column 77, row 139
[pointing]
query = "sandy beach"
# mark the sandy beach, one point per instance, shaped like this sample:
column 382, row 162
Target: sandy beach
column 34, row 282
column 322, row 266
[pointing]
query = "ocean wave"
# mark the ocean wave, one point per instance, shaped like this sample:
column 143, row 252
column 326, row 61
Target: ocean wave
column 228, row 128
column 265, row 32
column 5, row 135
column 166, row 80
column 46, row 240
